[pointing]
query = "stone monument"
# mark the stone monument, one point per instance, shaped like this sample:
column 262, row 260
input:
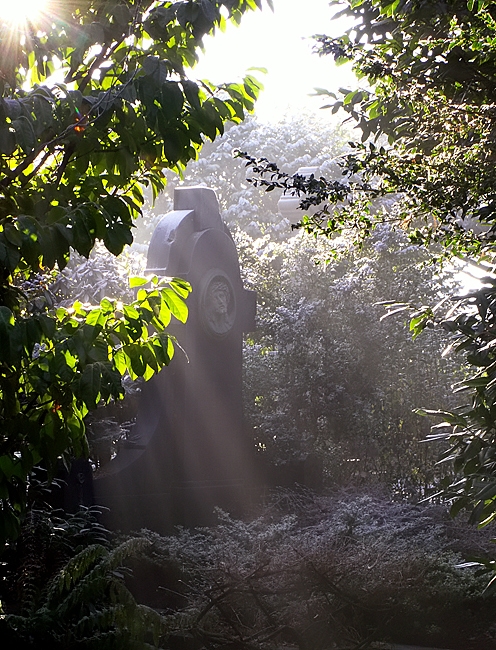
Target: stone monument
column 189, row 451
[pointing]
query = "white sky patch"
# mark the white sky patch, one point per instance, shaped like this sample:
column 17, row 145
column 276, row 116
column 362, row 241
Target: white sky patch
column 280, row 42
column 471, row 276
column 18, row 11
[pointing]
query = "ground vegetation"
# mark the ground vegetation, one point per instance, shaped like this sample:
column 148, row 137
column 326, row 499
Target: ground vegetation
column 342, row 571
column 348, row 570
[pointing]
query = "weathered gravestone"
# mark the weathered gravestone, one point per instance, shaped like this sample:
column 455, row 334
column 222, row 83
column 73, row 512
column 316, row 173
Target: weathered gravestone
column 189, row 451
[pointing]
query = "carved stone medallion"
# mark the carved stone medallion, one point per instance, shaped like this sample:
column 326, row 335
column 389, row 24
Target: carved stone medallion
column 217, row 303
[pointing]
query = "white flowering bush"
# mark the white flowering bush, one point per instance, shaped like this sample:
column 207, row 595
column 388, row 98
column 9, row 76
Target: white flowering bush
column 325, row 374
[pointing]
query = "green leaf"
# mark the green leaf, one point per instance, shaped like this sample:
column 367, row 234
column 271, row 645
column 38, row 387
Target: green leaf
column 116, row 207
column 90, row 385
column 172, row 100
column 164, row 314
column 117, row 236
column 99, row 351
column 24, row 134
column 48, row 325
column 131, row 313
column 119, row 359
column 111, row 382
column 7, row 465
column 181, row 287
column 7, row 141
column 106, row 306
column 176, row 305
column 135, row 364
column 192, row 93
column 6, row 318
column 96, row 317
column 138, row 281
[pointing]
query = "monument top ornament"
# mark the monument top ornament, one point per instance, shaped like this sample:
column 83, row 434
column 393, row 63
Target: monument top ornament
column 194, row 238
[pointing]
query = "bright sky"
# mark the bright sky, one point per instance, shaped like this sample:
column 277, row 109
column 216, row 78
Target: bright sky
column 280, row 42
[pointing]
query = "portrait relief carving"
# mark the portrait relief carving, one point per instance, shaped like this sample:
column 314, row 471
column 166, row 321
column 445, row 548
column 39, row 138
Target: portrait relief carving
column 218, row 304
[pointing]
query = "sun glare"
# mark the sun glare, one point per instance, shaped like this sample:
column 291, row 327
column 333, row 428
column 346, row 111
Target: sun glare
column 20, row 11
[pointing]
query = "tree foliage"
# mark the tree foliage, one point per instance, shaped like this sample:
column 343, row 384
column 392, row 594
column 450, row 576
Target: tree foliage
column 428, row 122
column 95, row 103
column 431, row 91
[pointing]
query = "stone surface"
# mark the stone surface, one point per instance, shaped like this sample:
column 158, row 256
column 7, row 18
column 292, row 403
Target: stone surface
column 189, row 451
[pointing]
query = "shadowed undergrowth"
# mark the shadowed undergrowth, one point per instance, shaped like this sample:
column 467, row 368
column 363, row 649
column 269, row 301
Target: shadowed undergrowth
column 308, row 573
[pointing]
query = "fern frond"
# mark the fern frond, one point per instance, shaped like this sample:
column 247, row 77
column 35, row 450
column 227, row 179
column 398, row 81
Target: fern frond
column 119, row 593
column 88, row 591
column 109, row 640
column 102, row 620
column 75, row 569
column 179, row 621
column 151, row 621
column 88, row 605
column 129, row 548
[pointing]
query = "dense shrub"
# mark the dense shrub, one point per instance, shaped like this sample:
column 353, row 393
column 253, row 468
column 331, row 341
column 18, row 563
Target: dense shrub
column 322, row 572
column 324, row 373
